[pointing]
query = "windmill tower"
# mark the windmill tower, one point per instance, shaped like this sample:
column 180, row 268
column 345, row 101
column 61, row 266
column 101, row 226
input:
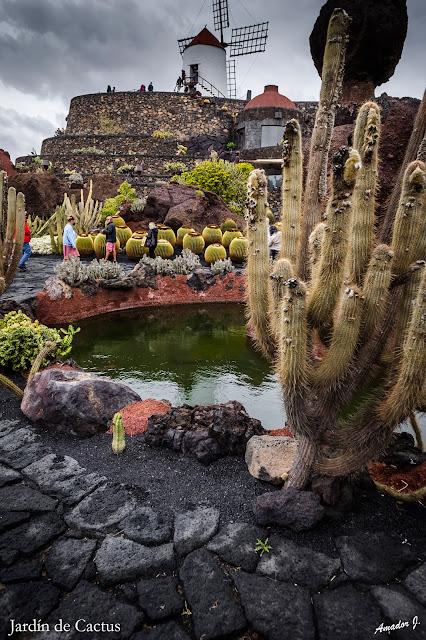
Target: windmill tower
column 205, row 62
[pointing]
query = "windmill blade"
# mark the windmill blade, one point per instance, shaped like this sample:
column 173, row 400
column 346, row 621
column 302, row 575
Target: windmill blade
column 183, row 43
column 220, row 14
column 250, row 39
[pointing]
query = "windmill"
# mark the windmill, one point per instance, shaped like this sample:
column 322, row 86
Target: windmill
column 204, row 60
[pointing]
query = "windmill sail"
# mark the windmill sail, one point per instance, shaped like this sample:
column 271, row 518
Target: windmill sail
column 250, row 39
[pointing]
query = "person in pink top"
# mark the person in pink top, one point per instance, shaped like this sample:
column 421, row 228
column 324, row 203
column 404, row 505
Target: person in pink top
column 69, row 239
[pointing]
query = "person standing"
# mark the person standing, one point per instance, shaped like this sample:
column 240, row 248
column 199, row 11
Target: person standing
column 142, row 89
column 150, row 87
column 111, row 239
column 69, row 239
column 274, row 241
column 152, row 239
column 26, row 247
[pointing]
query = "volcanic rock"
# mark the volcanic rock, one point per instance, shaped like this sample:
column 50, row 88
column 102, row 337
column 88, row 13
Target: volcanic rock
column 6, row 163
column 297, row 510
column 270, row 458
column 42, row 191
column 73, row 401
column 209, row 432
column 376, row 39
column 176, row 204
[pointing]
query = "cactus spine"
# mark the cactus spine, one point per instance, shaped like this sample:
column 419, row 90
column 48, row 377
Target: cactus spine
column 118, row 434
column 333, row 338
column 292, row 179
column 366, row 138
column 11, row 232
column 332, row 77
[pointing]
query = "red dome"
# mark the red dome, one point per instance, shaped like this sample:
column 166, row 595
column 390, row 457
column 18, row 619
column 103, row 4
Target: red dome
column 270, row 98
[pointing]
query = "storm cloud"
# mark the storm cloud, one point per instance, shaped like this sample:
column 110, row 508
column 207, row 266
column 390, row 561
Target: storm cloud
column 51, row 50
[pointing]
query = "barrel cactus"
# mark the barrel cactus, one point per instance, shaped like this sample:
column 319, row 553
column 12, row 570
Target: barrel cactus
column 99, row 245
column 181, row 233
column 123, row 234
column 84, row 243
column 227, row 225
column 229, row 235
column 164, row 249
column 212, row 234
column 118, row 220
column 214, row 252
column 238, row 249
column 336, row 291
column 194, row 242
column 135, row 246
column 166, row 233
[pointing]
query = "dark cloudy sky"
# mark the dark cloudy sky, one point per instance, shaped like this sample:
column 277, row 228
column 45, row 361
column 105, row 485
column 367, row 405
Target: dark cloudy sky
column 51, row 50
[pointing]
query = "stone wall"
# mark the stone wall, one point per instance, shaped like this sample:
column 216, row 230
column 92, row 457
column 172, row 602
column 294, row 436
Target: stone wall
column 143, row 113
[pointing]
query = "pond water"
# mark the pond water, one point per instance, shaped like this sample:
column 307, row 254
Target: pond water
column 184, row 354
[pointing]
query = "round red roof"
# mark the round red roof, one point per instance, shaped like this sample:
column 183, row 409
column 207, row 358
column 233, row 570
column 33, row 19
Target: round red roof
column 270, row 98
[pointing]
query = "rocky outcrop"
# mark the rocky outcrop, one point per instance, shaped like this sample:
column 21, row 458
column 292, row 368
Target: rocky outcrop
column 297, row 510
column 6, row 163
column 208, row 432
column 176, row 204
column 42, row 191
column 376, row 39
column 70, row 401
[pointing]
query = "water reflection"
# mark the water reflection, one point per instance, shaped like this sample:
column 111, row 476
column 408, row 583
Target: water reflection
column 185, row 355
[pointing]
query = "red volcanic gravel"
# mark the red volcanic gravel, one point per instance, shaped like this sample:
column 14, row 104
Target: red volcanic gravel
column 135, row 415
column 284, row 431
column 404, row 481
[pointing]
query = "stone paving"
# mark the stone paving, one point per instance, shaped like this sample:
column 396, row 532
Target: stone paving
column 78, row 548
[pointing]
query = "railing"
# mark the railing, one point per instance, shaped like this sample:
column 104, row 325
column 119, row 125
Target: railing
column 208, row 86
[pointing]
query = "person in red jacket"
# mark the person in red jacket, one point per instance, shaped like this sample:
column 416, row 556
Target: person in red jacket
column 26, row 248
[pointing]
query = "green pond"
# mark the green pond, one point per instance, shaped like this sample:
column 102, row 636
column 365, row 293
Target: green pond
column 184, row 354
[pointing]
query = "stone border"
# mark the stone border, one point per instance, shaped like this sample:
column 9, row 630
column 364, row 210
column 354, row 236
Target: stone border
column 180, row 289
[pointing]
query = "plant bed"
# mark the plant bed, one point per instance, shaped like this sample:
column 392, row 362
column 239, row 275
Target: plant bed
column 407, row 484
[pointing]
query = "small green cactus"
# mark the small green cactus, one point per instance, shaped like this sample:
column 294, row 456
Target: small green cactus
column 194, row 242
column 238, row 249
column 212, row 234
column 164, row 249
column 166, row 233
column 118, row 434
column 181, row 233
column 84, row 244
column 135, row 246
column 229, row 235
column 123, row 234
column 214, row 252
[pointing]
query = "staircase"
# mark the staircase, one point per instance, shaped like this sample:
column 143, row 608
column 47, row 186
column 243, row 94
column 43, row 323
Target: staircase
column 208, row 86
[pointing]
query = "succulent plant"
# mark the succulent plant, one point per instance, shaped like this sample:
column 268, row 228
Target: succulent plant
column 123, row 234
column 222, row 267
column 118, row 220
column 135, row 246
column 181, row 233
column 228, row 225
column 345, row 321
column 229, row 235
column 13, row 228
column 84, row 244
column 212, row 234
column 214, row 252
column 238, row 249
column 166, row 233
column 164, row 249
column 194, row 242
column 118, row 434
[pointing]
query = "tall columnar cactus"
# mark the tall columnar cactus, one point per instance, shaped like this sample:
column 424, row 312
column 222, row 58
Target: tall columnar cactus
column 332, row 77
column 348, row 341
column 12, row 224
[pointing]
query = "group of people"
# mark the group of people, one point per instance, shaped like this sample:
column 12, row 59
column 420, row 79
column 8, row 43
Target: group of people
column 142, row 88
column 109, row 90
column 70, row 241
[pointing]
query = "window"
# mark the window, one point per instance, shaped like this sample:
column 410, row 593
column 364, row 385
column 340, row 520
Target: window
column 271, row 135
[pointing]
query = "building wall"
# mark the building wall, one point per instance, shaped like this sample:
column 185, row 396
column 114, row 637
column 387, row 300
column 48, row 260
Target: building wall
column 132, row 112
column 211, row 65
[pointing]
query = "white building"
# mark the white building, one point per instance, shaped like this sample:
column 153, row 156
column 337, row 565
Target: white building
column 204, row 62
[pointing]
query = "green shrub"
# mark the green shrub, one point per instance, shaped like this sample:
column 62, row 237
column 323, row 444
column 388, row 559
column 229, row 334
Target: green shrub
column 161, row 134
column 125, row 193
column 126, row 168
column 91, row 150
column 21, row 339
column 174, row 166
column 226, row 179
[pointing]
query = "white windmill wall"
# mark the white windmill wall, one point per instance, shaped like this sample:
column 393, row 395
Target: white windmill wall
column 211, row 65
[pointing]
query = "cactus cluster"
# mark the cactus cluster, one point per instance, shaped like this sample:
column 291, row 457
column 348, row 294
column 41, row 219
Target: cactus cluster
column 341, row 315
column 12, row 224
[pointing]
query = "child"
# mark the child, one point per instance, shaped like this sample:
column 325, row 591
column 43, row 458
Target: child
column 26, row 247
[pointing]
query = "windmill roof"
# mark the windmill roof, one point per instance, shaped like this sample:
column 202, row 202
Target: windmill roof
column 270, row 98
column 205, row 37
